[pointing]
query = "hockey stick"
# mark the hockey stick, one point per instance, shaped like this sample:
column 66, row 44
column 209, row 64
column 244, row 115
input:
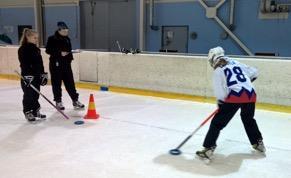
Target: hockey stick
column 117, row 42
column 124, row 50
column 176, row 150
column 36, row 90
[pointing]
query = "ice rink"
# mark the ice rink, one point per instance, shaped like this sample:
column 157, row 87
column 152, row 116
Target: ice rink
column 132, row 139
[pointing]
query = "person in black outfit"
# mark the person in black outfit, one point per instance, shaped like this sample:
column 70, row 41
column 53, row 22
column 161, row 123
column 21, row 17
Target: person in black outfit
column 32, row 70
column 59, row 48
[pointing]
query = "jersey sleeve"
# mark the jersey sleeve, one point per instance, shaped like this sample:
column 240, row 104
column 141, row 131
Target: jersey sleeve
column 251, row 72
column 219, row 84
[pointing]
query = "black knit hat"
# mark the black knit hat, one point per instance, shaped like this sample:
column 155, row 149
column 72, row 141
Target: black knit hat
column 62, row 25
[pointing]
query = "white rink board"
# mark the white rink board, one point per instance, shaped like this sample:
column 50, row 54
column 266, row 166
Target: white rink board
column 166, row 73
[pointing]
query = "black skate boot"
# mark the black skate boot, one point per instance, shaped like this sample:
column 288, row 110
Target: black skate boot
column 60, row 105
column 206, row 153
column 29, row 116
column 78, row 105
column 259, row 146
column 38, row 114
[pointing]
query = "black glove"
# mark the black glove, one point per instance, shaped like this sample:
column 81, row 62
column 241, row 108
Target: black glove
column 43, row 79
column 28, row 79
column 253, row 79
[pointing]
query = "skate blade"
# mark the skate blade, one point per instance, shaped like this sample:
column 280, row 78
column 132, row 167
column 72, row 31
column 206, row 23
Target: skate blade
column 79, row 109
column 258, row 152
column 205, row 160
column 37, row 121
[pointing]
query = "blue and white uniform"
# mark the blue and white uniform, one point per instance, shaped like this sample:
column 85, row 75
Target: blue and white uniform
column 232, row 82
column 232, row 85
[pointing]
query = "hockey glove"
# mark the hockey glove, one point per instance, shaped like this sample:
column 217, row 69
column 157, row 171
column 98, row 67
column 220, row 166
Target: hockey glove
column 43, row 79
column 253, row 79
column 28, row 79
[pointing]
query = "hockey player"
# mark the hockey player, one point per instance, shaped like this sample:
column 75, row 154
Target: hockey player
column 233, row 90
column 32, row 70
column 59, row 48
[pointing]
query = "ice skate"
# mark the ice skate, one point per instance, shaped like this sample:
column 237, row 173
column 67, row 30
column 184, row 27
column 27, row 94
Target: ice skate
column 60, row 105
column 206, row 154
column 39, row 115
column 29, row 116
column 78, row 105
column 260, row 147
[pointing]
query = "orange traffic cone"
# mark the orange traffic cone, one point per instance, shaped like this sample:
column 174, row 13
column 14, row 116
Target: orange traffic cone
column 91, row 114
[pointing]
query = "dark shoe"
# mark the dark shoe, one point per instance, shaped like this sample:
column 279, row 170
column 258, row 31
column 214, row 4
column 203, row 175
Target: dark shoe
column 206, row 152
column 60, row 105
column 39, row 115
column 259, row 146
column 78, row 105
column 29, row 116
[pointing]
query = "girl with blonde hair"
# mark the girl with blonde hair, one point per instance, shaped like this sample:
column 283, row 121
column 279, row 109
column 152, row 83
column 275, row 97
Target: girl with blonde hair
column 32, row 70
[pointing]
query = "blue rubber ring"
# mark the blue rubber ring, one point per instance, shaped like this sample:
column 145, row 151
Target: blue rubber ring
column 104, row 88
column 79, row 122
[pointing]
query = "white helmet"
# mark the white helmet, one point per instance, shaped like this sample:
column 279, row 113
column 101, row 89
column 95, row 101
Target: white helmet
column 214, row 55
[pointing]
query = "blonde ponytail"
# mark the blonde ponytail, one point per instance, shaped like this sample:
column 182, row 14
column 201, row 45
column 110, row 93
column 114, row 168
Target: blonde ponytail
column 26, row 33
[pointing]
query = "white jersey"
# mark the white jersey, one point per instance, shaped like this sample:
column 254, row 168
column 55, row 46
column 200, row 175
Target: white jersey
column 232, row 82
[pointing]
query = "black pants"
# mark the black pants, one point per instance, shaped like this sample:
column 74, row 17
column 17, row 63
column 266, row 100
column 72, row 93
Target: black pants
column 62, row 72
column 30, row 97
column 225, row 114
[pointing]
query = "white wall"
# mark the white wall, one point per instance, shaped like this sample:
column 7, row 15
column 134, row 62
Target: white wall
column 178, row 74
column 168, row 73
column 9, row 61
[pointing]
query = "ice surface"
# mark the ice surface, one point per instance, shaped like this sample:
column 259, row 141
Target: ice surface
column 132, row 139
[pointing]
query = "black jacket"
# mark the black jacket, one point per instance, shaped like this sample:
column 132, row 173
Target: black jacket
column 30, row 60
column 55, row 45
